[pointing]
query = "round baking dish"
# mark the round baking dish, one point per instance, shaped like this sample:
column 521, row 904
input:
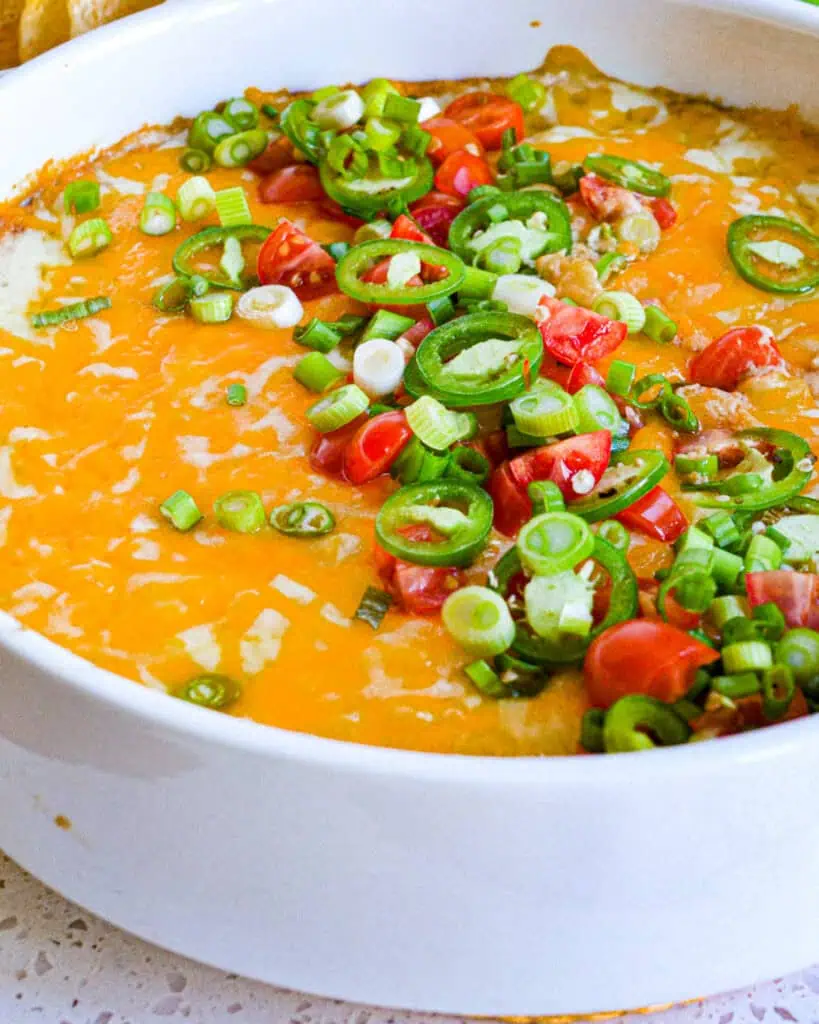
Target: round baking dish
column 468, row 885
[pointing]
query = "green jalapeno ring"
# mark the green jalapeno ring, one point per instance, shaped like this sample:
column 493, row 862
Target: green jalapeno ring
column 630, row 475
column 301, row 130
column 752, row 267
column 183, row 258
column 209, row 691
column 638, row 722
column 366, row 255
column 368, row 204
column 464, row 540
column 457, row 336
column 791, row 453
column 570, row 650
column 628, row 174
column 519, row 206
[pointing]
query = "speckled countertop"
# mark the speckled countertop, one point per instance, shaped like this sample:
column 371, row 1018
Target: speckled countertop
column 60, row 965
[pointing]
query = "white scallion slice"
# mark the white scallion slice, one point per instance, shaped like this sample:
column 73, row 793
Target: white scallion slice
column 479, row 620
column 378, row 366
column 270, row 306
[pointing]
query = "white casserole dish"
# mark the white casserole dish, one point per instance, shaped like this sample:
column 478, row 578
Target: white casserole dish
column 468, row 885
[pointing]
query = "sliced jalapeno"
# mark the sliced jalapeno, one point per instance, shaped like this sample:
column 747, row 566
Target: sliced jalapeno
column 630, row 475
column 538, row 220
column 477, row 359
column 637, row 722
column 186, row 258
column 774, row 254
column 629, row 174
column 458, row 513
column 303, row 132
column 373, row 192
column 568, row 649
column 303, row 519
column 363, row 257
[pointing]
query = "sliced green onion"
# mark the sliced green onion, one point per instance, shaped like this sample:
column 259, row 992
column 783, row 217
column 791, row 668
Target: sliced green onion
column 232, row 262
column 232, row 207
column 636, row 722
column 748, row 656
column 591, row 731
column 477, row 284
column 726, row 569
column 240, row 511
column 89, row 238
column 481, row 192
column 622, row 306
column 614, row 533
column 236, row 395
column 209, row 691
column 348, row 325
column 609, row 264
column 338, row 250
column 441, row 310
column 763, row 554
column 81, row 197
column 736, row 687
column 620, row 378
column 596, row 410
column 196, row 161
column 341, row 111
column 243, row 113
column 742, row 483
column 76, row 311
column 375, row 230
column 545, row 496
column 699, row 465
column 174, row 296
column 485, row 679
column 739, row 630
column 375, row 95
column 436, row 426
column 545, row 410
column 554, row 542
column 469, row 465
column 208, row 129
column 679, row 414
column 238, row 150
column 770, row 621
column 270, row 111
column 401, row 108
column 641, row 229
column 778, row 691
column 799, row 650
column 659, row 326
column 386, row 324
column 158, row 215
column 316, row 372
column 723, row 529
column 526, row 91
column 644, row 395
column 415, row 140
column 726, row 608
column 338, row 408
column 195, row 198
column 324, row 93
column 479, row 620
column 181, row 510
column 559, row 603
column 694, row 538
column 303, row 519
column 213, row 308
column 318, row 335
column 779, row 538
column 373, row 607
column 417, row 464
column 381, row 135
column 503, row 257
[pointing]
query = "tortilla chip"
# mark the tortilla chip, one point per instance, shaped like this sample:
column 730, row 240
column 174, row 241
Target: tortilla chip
column 10, row 11
column 44, row 24
column 88, row 14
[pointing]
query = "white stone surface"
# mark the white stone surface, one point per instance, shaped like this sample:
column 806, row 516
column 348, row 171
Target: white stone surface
column 60, row 965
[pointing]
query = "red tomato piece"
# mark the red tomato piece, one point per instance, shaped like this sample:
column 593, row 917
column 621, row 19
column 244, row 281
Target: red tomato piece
column 435, row 213
column 419, row 330
column 730, row 358
column 643, row 656
column 664, row 213
column 512, row 505
column 449, row 137
column 405, row 228
column 327, row 454
column 291, row 258
column 278, row 154
column 655, row 514
column 572, row 334
column 488, row 116
column 298, row 183
column 606, row 201
column 796, row 595
column 375, row 446
column 582, row 374
column 461, row 172
column 422, row 589
column 677, row 615
column 560, row 462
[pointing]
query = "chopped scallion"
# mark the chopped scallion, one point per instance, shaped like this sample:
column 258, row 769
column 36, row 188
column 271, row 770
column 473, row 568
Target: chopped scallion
column 181, row 510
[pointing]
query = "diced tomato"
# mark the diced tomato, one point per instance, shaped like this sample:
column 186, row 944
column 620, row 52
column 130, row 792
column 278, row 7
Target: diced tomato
column 796, row 595
column 405, row 228
column 488, row 115
column 419, row 330
column 582, row 374
column 728, row 359
column 643, row 656
column 512, row 505
column 655, row 514
column 327, row 454
column 496, row 447
column 279, row 154
column 664, row 213
column 461, row 172
column 572, row 334
column 332, row 211
column 435, row 213
column 298, row 183
column 676, row 614
column 375, row 446
column 422, row 589
column 292, row 258
column 606, row 201
column 563, row 460
column 378, row 275
column 449, row 137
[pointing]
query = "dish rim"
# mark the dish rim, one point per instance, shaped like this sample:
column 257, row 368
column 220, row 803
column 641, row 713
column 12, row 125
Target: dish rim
column 152, row 707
